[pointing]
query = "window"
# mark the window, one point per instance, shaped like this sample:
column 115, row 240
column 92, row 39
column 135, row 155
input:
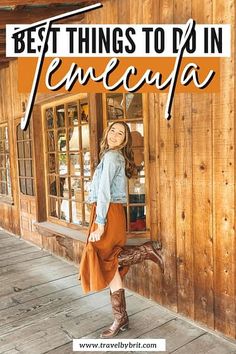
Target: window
column 25, row 161
column 5, row 180
column 68, row 161
column 129, row 108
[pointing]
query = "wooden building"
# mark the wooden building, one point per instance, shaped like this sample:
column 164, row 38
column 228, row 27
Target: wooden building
column 184, row 195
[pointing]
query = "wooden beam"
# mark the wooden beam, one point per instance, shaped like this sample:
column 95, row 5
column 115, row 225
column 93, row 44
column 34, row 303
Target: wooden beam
column 13, row 3
column 27, row 16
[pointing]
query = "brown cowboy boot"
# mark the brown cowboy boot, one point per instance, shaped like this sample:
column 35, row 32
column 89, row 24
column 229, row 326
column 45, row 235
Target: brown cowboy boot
column 121, row 321
column 137, row 254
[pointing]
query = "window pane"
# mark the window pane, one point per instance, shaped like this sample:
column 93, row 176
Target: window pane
column 137, row 142
column 29, row 186
column 86, row 160
column 60, row 114
column 64, row 210
column 20, row 150
column 137, row 188
column 22, row 185
column 115, row 108
column 51, row 141
column 72, row 112
column 137, row 218
column 84, row 112
column 21, row 164
column 53, row 207
column 75, row 164
column 52, row 185
column 49, row 118
column 77, row 212
column 85, row 136
column 51, row 163
column 76, row 192
column 62, row 160
column 134, row 107
column 74, row 139
column 64, row 187
column 27, row 149
column 61, row 140
column 28, row 168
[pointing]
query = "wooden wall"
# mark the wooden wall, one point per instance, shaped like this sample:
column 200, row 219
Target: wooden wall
column 193, row 193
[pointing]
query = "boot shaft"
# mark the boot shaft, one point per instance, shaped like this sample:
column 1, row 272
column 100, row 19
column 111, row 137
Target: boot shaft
column 118, row 303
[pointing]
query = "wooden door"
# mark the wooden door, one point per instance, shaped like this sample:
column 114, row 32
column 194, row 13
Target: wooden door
column 26, row 182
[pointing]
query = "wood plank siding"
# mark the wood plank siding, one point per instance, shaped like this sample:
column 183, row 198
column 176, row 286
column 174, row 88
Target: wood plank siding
column 191, row 169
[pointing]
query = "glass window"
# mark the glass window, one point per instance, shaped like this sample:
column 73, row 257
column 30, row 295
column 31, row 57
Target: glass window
column 68, row 161
column 25, row 160
column 129, row 108
column 5, row 179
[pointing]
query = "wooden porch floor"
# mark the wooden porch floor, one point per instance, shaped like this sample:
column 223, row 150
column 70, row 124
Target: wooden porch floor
column 42, row 308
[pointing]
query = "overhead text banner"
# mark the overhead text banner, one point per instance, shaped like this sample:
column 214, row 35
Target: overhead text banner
column 118, row 40
column 87, row 74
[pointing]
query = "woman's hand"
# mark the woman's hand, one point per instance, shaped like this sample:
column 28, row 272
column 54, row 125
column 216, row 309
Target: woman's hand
column 97, row 234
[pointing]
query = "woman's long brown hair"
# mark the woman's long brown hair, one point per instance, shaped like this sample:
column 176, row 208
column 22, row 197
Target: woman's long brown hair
column 125, row 148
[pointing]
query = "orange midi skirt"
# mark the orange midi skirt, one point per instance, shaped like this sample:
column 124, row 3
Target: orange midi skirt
column 99, row 260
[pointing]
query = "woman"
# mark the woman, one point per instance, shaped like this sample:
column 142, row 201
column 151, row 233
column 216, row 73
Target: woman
column 105, row 259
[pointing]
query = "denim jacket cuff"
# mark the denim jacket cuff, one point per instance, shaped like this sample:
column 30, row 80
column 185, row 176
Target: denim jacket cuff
column 100, row 220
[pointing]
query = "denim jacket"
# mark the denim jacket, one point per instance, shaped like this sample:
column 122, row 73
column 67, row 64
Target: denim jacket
column 108, row 184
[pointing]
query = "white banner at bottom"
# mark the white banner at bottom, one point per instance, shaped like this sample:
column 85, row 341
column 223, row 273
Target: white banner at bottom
column 118, row 345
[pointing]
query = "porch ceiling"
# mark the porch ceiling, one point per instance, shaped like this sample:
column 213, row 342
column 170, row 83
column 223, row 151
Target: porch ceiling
column 29, row 11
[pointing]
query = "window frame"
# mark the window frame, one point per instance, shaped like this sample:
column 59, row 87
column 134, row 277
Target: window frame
column 7, row 198
column 144, row 118
column 53, row 104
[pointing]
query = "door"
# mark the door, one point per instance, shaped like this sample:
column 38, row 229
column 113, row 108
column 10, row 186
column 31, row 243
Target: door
column 26, row 182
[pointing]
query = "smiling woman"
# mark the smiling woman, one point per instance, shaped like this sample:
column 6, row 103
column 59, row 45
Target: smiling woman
column 105, row 259
column 116, row 135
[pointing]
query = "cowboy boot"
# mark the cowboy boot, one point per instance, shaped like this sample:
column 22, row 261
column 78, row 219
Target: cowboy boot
column 137, row 254
column 121, row 321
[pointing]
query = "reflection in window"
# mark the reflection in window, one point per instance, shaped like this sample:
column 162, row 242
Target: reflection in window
column 115, row 108
column 25, row 160
column 68, row 161
column 129, row 108
column 134, row 108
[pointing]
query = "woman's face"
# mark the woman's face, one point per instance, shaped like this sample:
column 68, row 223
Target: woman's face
column 116, row 135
